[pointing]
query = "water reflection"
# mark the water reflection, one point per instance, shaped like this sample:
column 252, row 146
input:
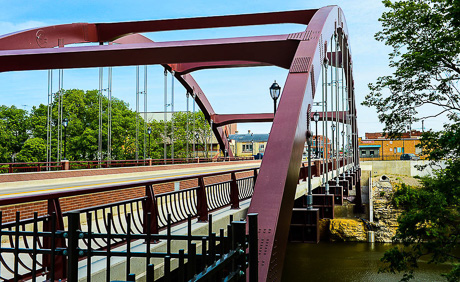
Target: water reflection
column 346, row 262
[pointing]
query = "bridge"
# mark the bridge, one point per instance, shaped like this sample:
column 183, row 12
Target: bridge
column 319, row 62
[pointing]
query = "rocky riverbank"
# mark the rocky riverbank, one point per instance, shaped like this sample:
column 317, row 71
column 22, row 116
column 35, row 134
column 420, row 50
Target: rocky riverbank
column 385, row 218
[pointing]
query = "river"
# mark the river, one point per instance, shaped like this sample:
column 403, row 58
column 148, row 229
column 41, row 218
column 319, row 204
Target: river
column 346, row 262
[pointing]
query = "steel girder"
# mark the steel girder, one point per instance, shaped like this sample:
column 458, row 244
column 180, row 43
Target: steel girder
column 302, row 53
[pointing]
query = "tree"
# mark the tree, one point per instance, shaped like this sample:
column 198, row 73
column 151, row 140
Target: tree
column 34, row 150
column 24, row 136
column 14, row 131
column 425, row 37
column 197, row 125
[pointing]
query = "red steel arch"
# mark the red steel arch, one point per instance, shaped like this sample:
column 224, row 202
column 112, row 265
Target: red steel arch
column 302, row 53
column 276, row 184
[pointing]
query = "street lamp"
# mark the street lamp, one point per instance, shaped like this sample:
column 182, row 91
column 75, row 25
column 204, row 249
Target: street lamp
column 196, row 140
column 65, row 123
column 316, row 119
column 252, row 144
column 149, row 131
column 275, row 90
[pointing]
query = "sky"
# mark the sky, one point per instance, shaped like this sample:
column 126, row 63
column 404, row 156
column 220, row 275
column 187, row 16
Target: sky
column 239, row 90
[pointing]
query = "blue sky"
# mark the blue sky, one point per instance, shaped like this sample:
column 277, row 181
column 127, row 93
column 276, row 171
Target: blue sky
column 25, row 89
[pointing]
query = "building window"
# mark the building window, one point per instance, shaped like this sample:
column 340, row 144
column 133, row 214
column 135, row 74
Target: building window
column 363, row 152
column 261, row 147
column 371, row 153
column 247, row 147
column 399, row 149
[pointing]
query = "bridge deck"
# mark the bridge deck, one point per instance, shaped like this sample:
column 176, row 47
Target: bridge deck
column 44, row 182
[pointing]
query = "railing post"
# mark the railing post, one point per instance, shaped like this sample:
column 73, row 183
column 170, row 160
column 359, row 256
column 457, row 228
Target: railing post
column 239, row 240
column 150, row 206
column 59, row 261
column 234, row 192
column 255, row 176
column 201, row 201
column 10, row 168
column 72, row 250
column 253, row 248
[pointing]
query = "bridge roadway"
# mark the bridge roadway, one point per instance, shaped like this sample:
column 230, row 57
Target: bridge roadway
column 63, row 182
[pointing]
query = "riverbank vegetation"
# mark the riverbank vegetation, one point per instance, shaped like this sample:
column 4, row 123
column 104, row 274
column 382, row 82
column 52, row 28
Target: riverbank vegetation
column 425, row 37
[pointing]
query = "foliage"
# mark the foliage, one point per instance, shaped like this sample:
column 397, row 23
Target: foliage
column 34, row 150
column 14, row 124
column 425, row 37
column 24, row 136
column 429, row 227
column 444, row 144
column 198, row 127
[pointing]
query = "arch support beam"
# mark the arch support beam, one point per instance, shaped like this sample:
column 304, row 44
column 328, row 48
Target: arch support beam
column 274, row 191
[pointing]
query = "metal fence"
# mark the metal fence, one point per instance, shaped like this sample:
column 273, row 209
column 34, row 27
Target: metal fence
column 39, row 254
column 134, row 217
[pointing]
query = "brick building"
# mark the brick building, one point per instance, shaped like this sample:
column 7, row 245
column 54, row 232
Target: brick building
column 379, row 146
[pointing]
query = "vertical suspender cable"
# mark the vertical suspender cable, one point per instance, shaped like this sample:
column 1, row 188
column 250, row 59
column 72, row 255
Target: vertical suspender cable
column 109, row 115
column 165, row 114
column 337, row 142
column 59, row 123
column 343, row 107
column 332, row 106
column 99, row 138
column 331, row 111
column 325, row 129
column 194, row 124
column 49, row 119
column 187, row 133
column 145, row 112
column 137, row 113
column 172, row 116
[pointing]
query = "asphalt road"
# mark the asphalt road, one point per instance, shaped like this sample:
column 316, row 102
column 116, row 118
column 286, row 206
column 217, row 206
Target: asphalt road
column 61, row 184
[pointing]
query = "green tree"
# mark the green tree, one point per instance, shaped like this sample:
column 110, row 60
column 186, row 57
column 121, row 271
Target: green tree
column 14, row 131
column 197, row 125
column 425, row 37
column 34, row 150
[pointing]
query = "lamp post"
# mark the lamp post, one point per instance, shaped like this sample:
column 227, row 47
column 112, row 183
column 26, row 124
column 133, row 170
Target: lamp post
column 275, row 90
column 316, row 119
column 252, row 144
column 196, row 141
column 149, row 131
column 65, row 123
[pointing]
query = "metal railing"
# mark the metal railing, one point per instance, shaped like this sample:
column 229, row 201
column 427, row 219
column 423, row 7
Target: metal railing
column 222, row 257
column 391, row 157
column 55, row 166
column 144, row 215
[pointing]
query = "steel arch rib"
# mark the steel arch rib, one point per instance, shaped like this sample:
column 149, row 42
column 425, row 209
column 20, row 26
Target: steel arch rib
column 274, row 191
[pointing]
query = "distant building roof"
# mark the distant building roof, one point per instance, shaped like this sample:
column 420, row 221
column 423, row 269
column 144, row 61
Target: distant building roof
column 249, row 137
column 404, row 135
column 369, row 146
